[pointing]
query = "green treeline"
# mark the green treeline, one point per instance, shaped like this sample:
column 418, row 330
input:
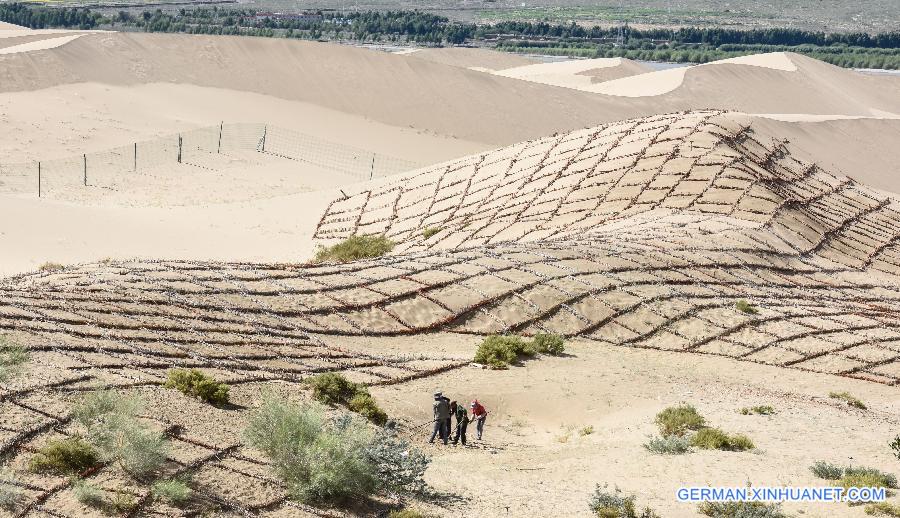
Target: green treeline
column 685, row 45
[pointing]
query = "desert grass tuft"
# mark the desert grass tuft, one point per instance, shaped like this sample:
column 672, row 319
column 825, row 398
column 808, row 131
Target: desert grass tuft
column 710, row 438
column 848, row 398
column 501, row 351
column 741, row 510
column 64, row 457
column 758, row 410
column 587, row 430
column 355, row 248
column 332, row 388
column 430, row 232
column 194, row 383
column 12, row 358
column 827, row 471
column 679, row 420
column 883, row 509
column 615, row 504
column 175, row 492
column 88, row 494
column 50, row 267
column 10, row 493
column 745, row 307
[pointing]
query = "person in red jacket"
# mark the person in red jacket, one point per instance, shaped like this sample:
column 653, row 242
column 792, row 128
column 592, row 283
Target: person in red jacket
column 479, row 415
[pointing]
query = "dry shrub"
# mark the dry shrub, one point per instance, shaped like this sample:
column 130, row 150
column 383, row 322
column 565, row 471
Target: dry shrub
column 745, row 307
column 88, row 494
column 429, row 232
column 10, row 494
column 175, row 492
column 355, row 248
column 883, row 509
column 335, row 389
column 615, row 504
column 364, row 404
column 758, row 410
column 500, row 351
column 741, row 510
column 714, row 439
column 668, row 445
column 848, row 398
column 50, row 267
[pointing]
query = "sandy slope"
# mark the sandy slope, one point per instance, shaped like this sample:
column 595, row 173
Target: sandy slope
column 473, row 58
column 576, row 73
column 10, row 27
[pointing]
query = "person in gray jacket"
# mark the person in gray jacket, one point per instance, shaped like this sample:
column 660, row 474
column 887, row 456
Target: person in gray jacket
column 441, row 416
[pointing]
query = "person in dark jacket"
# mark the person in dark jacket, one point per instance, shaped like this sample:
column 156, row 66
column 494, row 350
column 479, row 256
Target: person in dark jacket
column 462, row 422
column 449, row 424
column 441, row 415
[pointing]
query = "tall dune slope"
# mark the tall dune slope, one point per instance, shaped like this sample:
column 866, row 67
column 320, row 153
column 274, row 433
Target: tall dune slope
column 473, row 58
column 576, row 73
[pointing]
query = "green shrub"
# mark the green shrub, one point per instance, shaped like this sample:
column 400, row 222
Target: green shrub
column 876, row 477
column 710, row 438
column 332, row 388
column 64, row 457
column 745, row 307
column 88, row 494
column 587, row 430
column 319, row 461
column 498, row 352
column 196, row 384
column 113, row 428
column 848, row 398
column 826, row 470
column 12, row 357
column 758, row 410
column 429, row 232
column 741, row 510
column 354, row 249
column 883, row 509
column 10, row 494
column 176, row 492
column 678, row 420
column 553, row 345
column 364, row 404
column 668, row 445
column 407, row 513
column 123, row 503
column 335, row 389
column 606, row 504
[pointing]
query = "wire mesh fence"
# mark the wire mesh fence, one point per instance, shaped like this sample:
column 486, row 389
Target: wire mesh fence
column 198, row 148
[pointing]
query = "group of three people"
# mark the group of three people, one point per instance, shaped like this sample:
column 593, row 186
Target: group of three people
column 445, row 410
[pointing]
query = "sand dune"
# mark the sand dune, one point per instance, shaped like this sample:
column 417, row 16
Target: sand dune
column 42, row 44
column 10, row 27
column 576, row 73
column 473, row 58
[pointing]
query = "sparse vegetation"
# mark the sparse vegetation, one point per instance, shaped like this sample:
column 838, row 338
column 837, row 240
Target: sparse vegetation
column 741, row 510
column 668, row 445
column 196, row 384
column 895, row 446
column 114, row 429
column 679, row 420
column 853, row 476
column 883, row 509
column 88, row 494
column 10, row 494
column 175, row 492
column 758, row 410
column 429, row 232
column 587, row 430
column 407, row 513
column 400, row 468
column 615, row 504
column 64, row 457
column 355, row 248
column 334, row 389
column 12, row 358
column 500, row 351
column 123, row 503
column 50, row 267
column 848, row 398
column 745, row 307
column 710, row 438
column 320, row 461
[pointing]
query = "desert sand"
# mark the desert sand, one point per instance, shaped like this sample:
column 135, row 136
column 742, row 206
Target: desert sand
column 627, row 214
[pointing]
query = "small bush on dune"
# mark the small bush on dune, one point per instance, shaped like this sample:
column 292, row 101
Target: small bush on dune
column 615, row 504
column 88, row 494
column 826, row 470
column 587, row 430
column 758, row 410
column 714, row 439
column 335, row 389
column 123, row 503
column 113, row 428
column 12, row 357
column 354, row 249
column 429, row 232
column 196, row 384
column 400, row 468
column 319, row 461
column 741, row 510
column 871, row 477
column 64, row 457
column 745, row 307
column 668, row 445
column 10, row 494
column 849, row 399
column 51, row 267
column 678, row 420
column 549, row 344
column 883, row 509
column 176, row 492
column 407, row 513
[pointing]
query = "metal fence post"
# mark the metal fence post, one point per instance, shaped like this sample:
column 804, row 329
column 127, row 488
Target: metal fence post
column 39, row 179
column 135, row 157
column 85, row 169
column 265, row 134
column 179, row 148
column 372, row 170
column 221, row 125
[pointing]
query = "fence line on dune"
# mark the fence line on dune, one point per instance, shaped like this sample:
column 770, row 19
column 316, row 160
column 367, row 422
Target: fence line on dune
column 203, row 148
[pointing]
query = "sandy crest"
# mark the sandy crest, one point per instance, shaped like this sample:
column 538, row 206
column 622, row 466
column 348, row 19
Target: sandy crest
column 575, row 73
column 43, row 44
